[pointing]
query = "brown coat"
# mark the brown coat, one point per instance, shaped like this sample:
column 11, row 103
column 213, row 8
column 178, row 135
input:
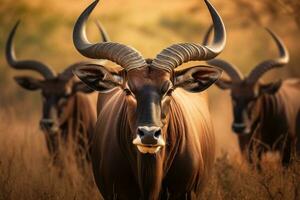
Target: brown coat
column 278, row 119
column 182, row 165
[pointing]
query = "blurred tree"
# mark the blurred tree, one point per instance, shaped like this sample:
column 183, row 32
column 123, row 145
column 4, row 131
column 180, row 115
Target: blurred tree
column 292, row 7
column 270, row 9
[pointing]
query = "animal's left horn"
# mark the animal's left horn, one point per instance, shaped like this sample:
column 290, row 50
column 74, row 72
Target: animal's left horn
column 123, row 55
column 178, row 54
column 265, row 66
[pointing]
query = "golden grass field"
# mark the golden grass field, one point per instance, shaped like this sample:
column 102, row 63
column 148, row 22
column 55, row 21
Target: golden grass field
column 45, row 34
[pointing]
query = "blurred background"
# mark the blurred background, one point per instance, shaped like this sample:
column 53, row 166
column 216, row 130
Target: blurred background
column 45, row 34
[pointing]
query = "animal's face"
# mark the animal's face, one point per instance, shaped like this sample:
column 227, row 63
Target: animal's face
column 148, row 94
column 245, row 97
column 56, row 95
column 247, row 90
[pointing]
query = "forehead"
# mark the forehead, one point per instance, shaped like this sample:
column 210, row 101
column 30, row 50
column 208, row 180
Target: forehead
column 243, row 89
column 55, row 86
column 138, row 78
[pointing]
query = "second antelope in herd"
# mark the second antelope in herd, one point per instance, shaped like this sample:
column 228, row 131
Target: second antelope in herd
column 68, row 114
column 266, row 115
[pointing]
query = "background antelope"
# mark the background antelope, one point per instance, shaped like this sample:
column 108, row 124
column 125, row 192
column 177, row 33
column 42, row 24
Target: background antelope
column 69, row 114
column 266, row 115
column 46, row 35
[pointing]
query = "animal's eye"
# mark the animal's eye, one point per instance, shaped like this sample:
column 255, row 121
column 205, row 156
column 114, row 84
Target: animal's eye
column 166, row 88
column 170, row 91
column 127, row 91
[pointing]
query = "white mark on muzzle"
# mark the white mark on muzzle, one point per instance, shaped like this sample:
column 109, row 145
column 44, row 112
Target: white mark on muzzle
column 152, row 149
column 239, row 125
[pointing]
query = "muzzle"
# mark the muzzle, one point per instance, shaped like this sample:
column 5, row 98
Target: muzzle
column 48, row 125
column 240, row 128
column 149, row 139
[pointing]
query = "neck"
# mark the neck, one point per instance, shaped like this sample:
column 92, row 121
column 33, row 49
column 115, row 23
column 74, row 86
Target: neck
column 76, row 119
column 271, row 112
column 151, row 168
column 150, row 173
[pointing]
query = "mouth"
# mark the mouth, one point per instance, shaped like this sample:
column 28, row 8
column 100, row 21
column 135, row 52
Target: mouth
column 148, row 149
column 51, row 130
column 239, row 128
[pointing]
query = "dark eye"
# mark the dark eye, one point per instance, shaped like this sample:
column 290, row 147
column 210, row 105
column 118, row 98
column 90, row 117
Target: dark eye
column 127, row 91
column 170, row 91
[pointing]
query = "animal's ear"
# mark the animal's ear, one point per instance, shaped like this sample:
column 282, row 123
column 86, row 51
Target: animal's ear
column 81, row 87
column 224, row 84
column 98, row 77
column 197, row 79
column 28, row 83
column 270, row 88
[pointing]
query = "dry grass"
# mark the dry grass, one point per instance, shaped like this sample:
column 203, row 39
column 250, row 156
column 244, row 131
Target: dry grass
column 45, row 34
column 26, row 173
column 233, row 180
column 149, row 26
column 25, row 169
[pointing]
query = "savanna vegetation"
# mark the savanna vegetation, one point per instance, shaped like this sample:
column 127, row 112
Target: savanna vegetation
column 45, row 34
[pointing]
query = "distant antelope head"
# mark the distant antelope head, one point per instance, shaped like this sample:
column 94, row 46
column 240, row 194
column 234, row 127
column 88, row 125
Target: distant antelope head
column 245, row 91
column 56, row 89
column 148, row 83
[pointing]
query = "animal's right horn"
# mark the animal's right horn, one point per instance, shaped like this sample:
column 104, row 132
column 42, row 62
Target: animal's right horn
column 44, row 70
column 123, row 55
column 175, row 55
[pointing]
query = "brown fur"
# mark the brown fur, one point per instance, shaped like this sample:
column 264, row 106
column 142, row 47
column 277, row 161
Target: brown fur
column 81, row 122
column 278, row 126
column 76, row 127
column 178, row 170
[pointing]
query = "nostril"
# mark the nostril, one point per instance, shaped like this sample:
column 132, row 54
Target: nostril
column 140, row 133
column 157, row 133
